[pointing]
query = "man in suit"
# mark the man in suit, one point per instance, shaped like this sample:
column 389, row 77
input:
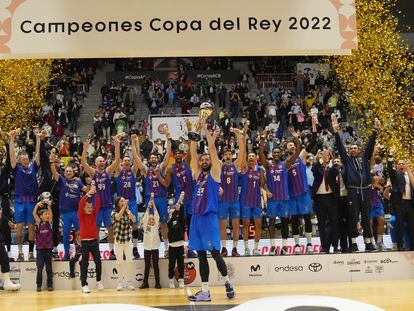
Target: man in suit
column 325, row 193
column 402, row 196
column 358, row 182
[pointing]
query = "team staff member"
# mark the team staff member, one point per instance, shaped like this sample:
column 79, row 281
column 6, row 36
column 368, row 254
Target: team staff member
column 358, row 182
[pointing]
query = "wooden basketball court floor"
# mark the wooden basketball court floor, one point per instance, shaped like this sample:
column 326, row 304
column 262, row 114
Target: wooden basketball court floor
column 389, row 295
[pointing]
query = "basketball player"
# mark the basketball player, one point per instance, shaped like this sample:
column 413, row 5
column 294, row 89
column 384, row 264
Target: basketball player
column 300, row 203
column 102, row 178
column 229, row 204
column 25, row 192
column 277, row 183
column 155, row 183
column 125, row 187
column 205, row 233
column 253, row 178
column 179, row 173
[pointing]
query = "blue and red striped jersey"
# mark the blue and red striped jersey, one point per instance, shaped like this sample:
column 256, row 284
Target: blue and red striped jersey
column 103, row 188
column 205, row 195
column 251, row 187
column 153, row 185
column 229, row 183
column 298, row 182
column 182, row 180
column 277, row 181
column 125, row 184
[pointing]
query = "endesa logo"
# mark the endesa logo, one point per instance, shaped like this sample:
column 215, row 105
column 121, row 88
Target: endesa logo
column 289, row 268
column 388, row 260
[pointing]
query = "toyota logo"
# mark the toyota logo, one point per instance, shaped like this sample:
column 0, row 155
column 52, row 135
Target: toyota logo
column 315, row 267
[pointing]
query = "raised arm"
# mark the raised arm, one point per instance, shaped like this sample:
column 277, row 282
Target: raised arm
column 53, row 162
column 88, row 169
column 242, row 148
column 37, row 156
column 292, row 159
column 12, row 151
column 195, row 165
column 215, row 161
column 161, row 179
column 304, row 153
column 35, row 215
column 111, row 168
column 262, row 157
column 341, row 149
column 371, row 142
column 137, row 155
column 167, row 155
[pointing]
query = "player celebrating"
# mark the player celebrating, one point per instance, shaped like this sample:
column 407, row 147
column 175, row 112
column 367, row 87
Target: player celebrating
column 125, row 187
column 70, row 194
column 180, row 175
column 229, row 205
column 25, row 192
column 205, row 234
column 102, row 178
column 277, row 183
column 300, row 197
column 155, row 183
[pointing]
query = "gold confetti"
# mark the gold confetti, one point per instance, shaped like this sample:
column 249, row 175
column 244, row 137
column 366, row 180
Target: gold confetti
column 378, row 76
column 23, row 86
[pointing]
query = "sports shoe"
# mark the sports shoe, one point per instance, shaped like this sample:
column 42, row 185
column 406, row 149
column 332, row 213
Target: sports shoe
column 234, row 252
column 11, row 259
column 157, row 285
column 135, row 253
column 298, row 249
column 129, row 285
column 191, row 254
column 120, row 286
column 166, row 253
column 272, row 251
column 284, row 251
column 224, row 252
column 229, row 290
column 381, row 247
column 369, row 247
column 72, row 275
column 20, row 257
column 354, row 248
column 100, row 286
column 112, row 255
column 256, row 252
column 31, row 257
column 38, row 288
column 11, row 287
column 50, row 288
column 171, row 283
column 85, row 289
column 200, row 296
column 181, row 283
column 246, row 252
column 144, row 285
column 309, row 249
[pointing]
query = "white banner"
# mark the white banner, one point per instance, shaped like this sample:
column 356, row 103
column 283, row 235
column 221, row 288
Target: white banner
column 129, row 28
column 243, row 270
